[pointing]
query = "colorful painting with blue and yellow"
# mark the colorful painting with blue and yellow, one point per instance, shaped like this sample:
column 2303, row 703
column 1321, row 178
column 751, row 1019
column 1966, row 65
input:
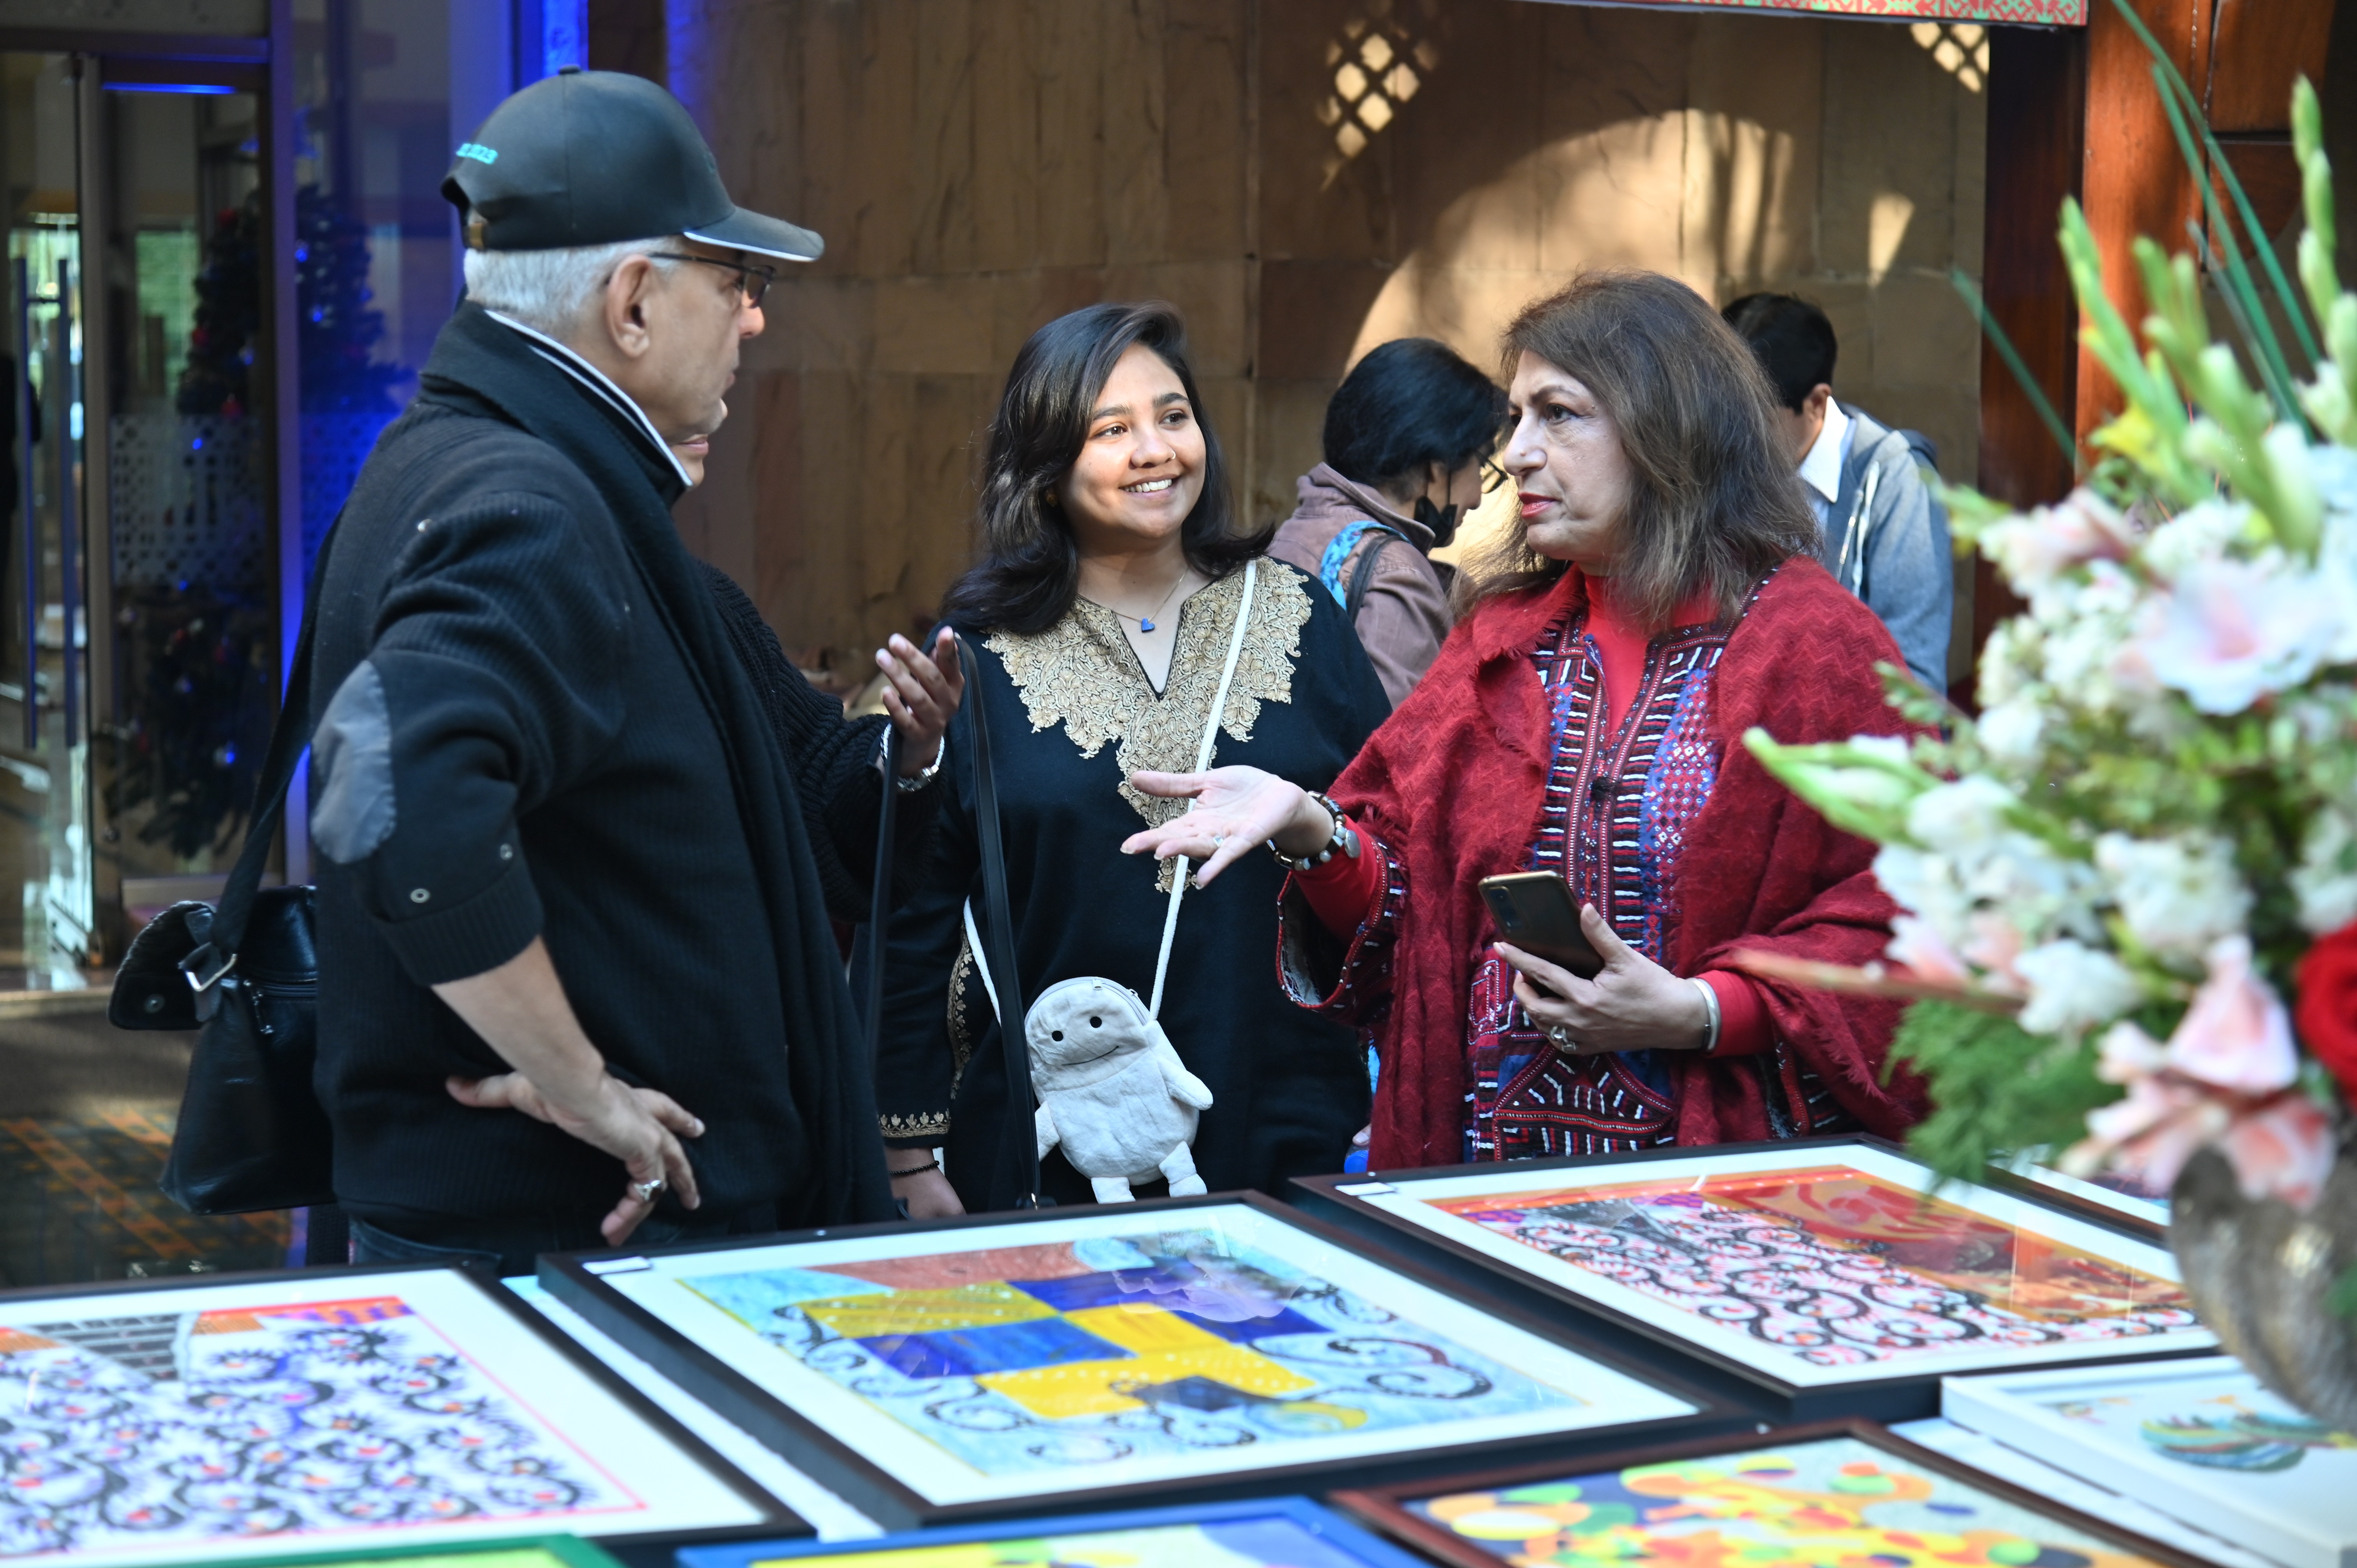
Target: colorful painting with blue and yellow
column 1043, row 1357
column 1832, row 1503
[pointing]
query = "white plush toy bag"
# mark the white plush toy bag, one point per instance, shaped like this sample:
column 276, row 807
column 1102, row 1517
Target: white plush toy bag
column 1112, row 1091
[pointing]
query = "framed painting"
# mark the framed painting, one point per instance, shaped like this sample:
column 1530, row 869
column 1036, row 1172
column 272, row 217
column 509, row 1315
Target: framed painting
column 2113, row 1201
column 2201, row 1441
column 1273, row 1533
column 1197, row 1347
column 1832, row 1276
column 1836, row 1493
column 519, row 1552
column 286, row 1414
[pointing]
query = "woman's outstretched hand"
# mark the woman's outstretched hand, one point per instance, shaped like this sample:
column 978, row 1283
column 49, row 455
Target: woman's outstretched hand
column 1632, row 1004
column 1236, row 810
column 921, row 692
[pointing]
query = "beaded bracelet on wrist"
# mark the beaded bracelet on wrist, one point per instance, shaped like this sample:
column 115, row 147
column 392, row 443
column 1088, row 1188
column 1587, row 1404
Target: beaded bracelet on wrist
column 1341, row 841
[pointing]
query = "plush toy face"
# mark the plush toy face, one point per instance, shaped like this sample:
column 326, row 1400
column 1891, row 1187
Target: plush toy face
column 1084, row 1031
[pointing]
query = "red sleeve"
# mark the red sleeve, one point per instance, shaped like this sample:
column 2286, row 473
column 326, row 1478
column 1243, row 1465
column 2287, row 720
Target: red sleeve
column 1744, row 1028
column 1344, row 890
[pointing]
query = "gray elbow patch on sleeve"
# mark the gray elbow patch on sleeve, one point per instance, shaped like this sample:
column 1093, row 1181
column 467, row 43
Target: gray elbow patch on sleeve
column 352, row 751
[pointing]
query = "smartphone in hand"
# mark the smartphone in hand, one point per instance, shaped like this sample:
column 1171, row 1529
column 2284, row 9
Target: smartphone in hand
column 1533, row 909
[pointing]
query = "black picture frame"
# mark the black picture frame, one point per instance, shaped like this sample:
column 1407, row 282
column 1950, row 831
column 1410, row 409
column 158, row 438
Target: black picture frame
column 1493, row 1284
column 646, row 1549
column 1385, row 1507
column 579, row 1279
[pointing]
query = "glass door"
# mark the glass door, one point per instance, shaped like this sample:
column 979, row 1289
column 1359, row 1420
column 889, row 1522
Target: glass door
column 47, row 928
column 184, row 652
column 138, row 647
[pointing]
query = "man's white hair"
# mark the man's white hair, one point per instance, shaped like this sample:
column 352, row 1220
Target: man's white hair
column 551, row 291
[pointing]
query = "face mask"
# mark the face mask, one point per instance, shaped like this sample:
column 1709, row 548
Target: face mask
column 1441, row 520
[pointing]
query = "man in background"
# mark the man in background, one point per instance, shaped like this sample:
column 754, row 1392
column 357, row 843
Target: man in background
column 1885, row 536
column 581, row 828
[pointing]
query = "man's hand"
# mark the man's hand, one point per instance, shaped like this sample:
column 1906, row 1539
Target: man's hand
column 1632, row 1004
column 637, row 1126
column 929, row 1194
column 921, row 692
column 521, row 1011
column 1236, row 810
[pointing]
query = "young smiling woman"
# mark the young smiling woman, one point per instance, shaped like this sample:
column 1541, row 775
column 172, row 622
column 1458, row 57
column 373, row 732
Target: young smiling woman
column 1101, row 613
column 1659, row 598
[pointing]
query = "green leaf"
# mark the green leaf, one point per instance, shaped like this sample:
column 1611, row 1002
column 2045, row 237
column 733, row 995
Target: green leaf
column 1993, row 1086
column 1862, row 788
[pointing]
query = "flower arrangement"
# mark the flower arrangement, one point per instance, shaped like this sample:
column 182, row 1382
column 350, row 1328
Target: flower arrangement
column 2130, row 885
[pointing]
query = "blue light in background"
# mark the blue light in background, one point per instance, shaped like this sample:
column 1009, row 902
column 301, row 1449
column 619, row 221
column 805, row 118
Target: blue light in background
column 203, row 89
column 564, row 35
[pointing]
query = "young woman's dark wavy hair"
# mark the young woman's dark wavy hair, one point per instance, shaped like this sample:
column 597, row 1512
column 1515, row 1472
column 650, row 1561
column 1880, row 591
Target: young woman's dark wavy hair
column 1714, row 504
column 1029, row 571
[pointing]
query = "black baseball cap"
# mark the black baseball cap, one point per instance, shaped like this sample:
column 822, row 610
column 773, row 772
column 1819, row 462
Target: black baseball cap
column 595, row 157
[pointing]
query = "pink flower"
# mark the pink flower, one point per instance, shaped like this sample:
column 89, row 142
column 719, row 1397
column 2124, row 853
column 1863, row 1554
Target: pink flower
column 2031, row 551
column 2236, row 1035
column 2150, row 1134
column 1996, row 942
column 1918, row 944
column 2129, row 1055
column 2283, row 1150
column 2234, row 632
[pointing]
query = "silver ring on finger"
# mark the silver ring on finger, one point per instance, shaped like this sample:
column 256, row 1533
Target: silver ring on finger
column 1559, row 1035
column 646, row 1191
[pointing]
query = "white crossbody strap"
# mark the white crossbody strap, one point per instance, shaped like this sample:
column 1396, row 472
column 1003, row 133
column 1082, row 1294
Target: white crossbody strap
column 1179, row 873
column 1202, row 760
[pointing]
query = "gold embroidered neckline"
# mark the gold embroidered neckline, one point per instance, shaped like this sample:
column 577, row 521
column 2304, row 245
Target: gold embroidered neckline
column 1081, row 673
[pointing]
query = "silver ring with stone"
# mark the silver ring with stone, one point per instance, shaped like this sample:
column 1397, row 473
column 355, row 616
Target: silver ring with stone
column 1560, row 1038
column 645, row 1191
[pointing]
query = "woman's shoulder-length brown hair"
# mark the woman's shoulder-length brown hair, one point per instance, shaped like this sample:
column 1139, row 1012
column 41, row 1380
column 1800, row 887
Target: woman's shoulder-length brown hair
column 1714, row 502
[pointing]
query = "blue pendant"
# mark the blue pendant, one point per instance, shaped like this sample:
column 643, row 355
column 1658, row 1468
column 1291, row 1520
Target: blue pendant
column 1145, row 626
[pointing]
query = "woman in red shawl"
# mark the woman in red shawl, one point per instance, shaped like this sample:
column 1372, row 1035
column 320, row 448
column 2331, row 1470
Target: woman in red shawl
column 1659, row 599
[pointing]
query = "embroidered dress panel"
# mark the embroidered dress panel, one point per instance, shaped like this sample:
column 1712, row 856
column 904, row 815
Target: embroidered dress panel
column 1611, row 820
column 1081, row 673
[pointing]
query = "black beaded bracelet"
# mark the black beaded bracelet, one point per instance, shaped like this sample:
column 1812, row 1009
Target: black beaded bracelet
column 918, row 1170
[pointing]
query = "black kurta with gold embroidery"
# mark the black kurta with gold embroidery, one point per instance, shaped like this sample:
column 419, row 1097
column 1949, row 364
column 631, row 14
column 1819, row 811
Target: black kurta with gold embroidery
column 1071, row 717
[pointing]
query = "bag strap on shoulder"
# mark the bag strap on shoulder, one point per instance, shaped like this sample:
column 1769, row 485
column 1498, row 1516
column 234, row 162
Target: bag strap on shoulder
column 216, row 956
column 1020, row 1150
column 1179, row 872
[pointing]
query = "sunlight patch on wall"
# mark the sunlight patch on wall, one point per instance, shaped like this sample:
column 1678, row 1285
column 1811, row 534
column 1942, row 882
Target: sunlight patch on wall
column 1961, row 48
column 1378, row 63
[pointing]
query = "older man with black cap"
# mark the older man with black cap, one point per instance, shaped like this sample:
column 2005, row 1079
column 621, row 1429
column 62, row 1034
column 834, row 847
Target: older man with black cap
column 581, row 825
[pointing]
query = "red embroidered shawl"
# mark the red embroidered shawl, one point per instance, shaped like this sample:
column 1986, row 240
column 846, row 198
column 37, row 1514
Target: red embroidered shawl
column 1452, row 783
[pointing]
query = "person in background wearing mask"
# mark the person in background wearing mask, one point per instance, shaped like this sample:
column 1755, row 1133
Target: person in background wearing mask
column 1407, row 438
column 1885, row 536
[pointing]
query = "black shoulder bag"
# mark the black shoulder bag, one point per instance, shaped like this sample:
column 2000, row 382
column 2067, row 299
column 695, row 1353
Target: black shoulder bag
column 252, row 1134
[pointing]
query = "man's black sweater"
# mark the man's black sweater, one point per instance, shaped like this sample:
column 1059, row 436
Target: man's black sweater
column 534, row 720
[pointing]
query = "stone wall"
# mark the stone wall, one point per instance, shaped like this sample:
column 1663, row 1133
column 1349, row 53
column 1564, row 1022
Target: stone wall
column 978, row 167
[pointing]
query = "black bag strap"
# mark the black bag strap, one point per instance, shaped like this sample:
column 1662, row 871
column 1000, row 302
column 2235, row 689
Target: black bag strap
column 879, row 897
column 1019, row 1151
column 217, row 954
column 1380, row 538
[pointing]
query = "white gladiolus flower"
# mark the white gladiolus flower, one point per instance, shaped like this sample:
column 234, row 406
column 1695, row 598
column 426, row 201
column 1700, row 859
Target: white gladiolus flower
column 2013, row 729
column 2325, row 880
column 2195, row 537
column 1924, row 884
column 2074, row 988
column 2010, row 660
column 1965, row 817
column 2177, row 896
